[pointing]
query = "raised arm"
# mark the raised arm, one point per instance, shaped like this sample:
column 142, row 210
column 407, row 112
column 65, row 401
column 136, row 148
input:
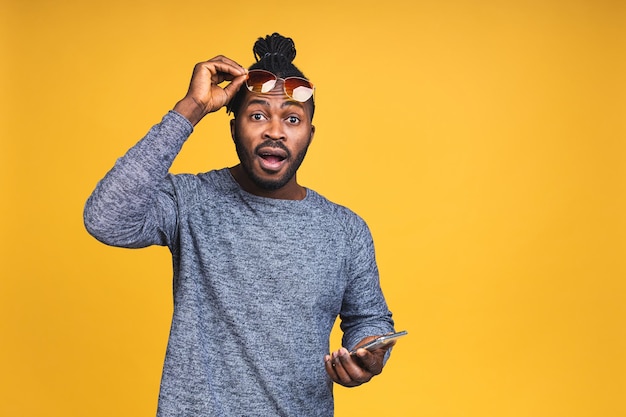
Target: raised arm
column 133, row 205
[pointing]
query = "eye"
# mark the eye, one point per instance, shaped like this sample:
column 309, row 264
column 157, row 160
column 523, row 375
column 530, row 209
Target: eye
column 294, row 120
column 257, row 116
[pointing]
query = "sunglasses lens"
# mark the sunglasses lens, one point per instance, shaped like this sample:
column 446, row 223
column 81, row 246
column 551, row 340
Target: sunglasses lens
column 260, row 81
column 298, row 88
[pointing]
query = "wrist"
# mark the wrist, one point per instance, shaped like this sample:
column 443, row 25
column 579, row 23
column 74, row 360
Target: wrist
column 190, row 109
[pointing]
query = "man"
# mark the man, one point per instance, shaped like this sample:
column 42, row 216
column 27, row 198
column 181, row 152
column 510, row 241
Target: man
column 262, row 265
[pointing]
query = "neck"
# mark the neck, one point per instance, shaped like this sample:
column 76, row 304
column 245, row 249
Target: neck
column 290, row 191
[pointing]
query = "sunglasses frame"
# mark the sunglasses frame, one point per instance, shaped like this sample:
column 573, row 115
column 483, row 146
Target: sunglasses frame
column 274, row 78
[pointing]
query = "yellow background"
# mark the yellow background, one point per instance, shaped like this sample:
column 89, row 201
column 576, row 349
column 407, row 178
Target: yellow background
column 483, row 141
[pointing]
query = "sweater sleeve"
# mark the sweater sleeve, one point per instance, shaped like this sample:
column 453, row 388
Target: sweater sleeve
column 364, row 311
column 133, row 205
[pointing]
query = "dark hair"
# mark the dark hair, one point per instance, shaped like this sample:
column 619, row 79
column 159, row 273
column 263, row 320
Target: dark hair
column 274, row 53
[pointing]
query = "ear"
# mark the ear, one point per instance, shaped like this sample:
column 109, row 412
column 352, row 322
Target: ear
column 311, row 134
column 232, row 129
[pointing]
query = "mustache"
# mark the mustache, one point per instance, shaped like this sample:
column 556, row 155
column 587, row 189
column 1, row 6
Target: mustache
column 273, row 144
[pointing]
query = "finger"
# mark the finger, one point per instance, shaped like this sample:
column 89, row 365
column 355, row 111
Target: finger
column 225, row 60
column 330, row 368
column 227, row 68
column 353, row 368
column 333, row 369
column 343, row 377
column 371, row 362
column 232, row 88
column 355, row 374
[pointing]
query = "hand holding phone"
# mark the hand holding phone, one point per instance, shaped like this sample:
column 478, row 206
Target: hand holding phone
column 380, row 341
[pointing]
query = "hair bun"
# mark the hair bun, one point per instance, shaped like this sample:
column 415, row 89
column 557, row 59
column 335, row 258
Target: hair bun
column 274, row 46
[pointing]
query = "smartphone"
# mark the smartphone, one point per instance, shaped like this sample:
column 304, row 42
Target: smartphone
column 380, row 341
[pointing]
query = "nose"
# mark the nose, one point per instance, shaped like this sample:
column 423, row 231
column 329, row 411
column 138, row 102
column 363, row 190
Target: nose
column 274, row 129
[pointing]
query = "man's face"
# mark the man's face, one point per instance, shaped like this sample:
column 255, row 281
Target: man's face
column 272, row 133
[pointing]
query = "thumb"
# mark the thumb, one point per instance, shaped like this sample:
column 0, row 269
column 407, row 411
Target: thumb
column 234, row 86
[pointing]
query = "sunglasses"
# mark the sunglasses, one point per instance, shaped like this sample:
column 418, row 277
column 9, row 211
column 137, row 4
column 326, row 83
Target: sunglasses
column 261, row 81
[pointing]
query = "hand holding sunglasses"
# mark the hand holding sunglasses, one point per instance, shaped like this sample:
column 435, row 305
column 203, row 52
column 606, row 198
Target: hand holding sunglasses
column 205, row 95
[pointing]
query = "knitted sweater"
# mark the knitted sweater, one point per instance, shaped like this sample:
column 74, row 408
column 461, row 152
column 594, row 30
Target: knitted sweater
column 258, row 282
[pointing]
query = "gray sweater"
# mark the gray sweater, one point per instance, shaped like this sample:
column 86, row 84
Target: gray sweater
column 258, row 282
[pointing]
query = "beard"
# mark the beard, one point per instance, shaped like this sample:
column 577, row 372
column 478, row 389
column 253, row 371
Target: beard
column 274, row 183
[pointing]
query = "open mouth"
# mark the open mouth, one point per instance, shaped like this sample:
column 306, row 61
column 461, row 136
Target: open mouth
column 272, row 158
